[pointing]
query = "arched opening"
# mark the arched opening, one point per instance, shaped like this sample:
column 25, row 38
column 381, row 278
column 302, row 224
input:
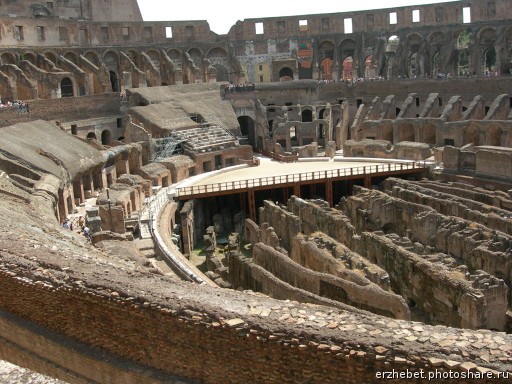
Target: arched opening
column 370, row 69
column 393, row 43
column 463, row 62
column 93, row 58
column 285, row 74
column 106, row 137
column 71, row 57
column 347, row 68
column 490, row 62
column 51, row 56
column 247, row 129
column 29, row 57
column 222, row 72
column 307, row 116
column 66, row 87
column 7, row 58
column 346, row 58
column 114, row 81
column 463, row 56
column 91, row 136
column 326, row 60
column 321, row 128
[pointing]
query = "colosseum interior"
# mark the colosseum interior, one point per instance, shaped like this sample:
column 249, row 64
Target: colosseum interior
column 306, row 199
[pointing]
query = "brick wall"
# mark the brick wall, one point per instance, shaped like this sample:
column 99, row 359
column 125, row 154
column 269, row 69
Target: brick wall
column 177, row 338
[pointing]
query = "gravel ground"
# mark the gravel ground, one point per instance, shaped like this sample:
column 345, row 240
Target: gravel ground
column 12, row 374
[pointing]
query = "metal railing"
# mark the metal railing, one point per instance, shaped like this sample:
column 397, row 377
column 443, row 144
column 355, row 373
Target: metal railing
column 154, row 206
column 297, row 177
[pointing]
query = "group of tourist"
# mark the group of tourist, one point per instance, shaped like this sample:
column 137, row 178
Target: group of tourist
column 84, row 229
column 21, row 105
column 245, row 87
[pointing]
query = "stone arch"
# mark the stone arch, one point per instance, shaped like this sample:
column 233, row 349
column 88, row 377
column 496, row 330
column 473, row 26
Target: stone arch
column 52, row 56
column 489, row 61
column 436, row 41
column 222, row 72
column 155, row 57
column 392, row 44
column 346, row 57
column 285, row 73
column 111, row 60
column 134, row 56
column 220, row 61
column 7, row 58
column 106, row 137
column 175, row 55
column 29, row 56
column 93, row 58
column 370, row 69
column 487, row 35
column 197, row 56
column 66, row 87
column 71, row 56
column 347, row 68
column 91, row 136
column 247, row 128
column 217, row 53
column 307, row 115
column 326, row 55
column 414, row 43
column 347, row 48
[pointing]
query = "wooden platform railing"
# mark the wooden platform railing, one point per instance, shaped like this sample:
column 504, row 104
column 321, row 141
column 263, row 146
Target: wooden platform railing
column 298, row 178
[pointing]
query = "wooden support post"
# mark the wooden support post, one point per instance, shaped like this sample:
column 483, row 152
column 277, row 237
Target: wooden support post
column 328, row 193
column 296, row 189
column 367, row 181
column 252, row 205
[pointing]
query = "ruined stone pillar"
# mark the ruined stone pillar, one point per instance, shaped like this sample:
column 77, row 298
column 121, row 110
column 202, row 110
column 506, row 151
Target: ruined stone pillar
column 79, row 185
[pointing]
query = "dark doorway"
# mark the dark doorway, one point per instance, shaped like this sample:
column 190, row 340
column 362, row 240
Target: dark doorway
column 114, row 81
column 247, row 128
column 285, row 74
column 307, row 116
column 106, row 137
column 66, row 87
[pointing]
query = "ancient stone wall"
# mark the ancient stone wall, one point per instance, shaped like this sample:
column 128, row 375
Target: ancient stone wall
column 345, row 285
column 403, row 261
column 161, row 331
column 64, row 109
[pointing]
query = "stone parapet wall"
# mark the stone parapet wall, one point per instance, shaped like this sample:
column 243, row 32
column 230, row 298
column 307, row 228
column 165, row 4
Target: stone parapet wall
column 63, row 109
column 164, row 336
